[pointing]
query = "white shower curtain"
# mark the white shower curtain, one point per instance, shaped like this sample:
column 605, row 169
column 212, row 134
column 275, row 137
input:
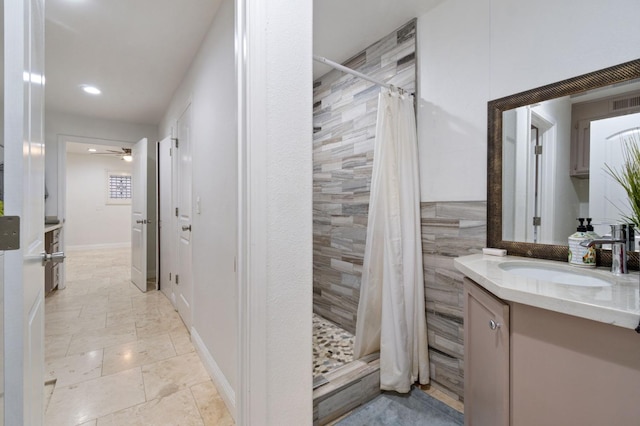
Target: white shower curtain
column 391, row 312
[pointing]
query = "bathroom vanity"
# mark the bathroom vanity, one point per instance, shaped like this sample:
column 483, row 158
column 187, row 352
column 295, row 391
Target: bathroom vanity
column 549, row 344
column 52, row 245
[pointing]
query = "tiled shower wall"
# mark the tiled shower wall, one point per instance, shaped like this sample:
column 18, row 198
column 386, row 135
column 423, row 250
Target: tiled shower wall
column 345, row 109
column 449, row 230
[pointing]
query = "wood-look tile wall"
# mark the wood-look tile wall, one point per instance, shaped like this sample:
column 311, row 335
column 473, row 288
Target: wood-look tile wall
column 449, row 230
column 345, row 109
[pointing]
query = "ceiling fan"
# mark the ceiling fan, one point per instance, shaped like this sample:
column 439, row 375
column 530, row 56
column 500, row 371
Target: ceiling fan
column 124, row 153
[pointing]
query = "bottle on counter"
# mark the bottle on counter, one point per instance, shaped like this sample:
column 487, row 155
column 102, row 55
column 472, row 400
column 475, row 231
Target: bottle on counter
column 590, row 232
column 580, row 255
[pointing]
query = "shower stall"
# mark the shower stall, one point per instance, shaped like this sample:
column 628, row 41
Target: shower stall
column 344, row 120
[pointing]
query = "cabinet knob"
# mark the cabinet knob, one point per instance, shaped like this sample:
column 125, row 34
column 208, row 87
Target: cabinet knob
column 494, row 325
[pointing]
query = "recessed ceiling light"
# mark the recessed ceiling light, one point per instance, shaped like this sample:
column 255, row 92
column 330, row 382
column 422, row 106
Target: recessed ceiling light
column 92, row 90
column 92, row 150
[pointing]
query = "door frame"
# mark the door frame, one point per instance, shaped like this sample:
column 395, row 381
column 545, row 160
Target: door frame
column 61, row 184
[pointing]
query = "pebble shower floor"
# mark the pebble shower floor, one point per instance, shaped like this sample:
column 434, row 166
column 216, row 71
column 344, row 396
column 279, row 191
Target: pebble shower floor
column 332, row 346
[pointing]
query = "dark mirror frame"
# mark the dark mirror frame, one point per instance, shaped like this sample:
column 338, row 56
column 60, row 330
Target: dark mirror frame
column 605, row 77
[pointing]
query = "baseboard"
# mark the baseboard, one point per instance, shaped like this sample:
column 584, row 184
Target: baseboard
column 224, row 388
column 97, row 246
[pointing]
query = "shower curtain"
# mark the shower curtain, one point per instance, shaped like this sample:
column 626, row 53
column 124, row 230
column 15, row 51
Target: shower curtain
column 391, row 312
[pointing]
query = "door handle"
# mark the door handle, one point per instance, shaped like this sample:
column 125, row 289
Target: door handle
column 186, row 228
column 57, row 257
column 143, row 221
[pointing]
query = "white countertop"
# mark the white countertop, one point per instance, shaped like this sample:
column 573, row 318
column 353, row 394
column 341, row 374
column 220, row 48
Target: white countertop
column 49, row 228
column 618, row 304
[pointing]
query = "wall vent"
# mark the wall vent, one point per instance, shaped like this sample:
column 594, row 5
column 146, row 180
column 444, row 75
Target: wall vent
column 625, row 103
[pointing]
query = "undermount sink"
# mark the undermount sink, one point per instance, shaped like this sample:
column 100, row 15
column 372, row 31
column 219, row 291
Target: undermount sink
column 554, row 274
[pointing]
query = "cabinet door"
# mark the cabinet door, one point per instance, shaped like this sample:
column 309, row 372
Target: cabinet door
column 486, row 358
column 580, row 150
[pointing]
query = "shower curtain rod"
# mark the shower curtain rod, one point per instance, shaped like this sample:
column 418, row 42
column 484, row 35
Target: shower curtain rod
column 356, row 73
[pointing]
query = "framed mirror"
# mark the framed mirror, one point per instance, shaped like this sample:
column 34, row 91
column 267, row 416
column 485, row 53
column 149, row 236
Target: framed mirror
column 540, row 175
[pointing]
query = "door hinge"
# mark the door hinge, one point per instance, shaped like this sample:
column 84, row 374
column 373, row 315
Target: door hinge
column 177, row 279
column 169, row 276
column 170, row 152
column 9, row 232
column 176, row 212
column 537, row 150
column 537, row 221
column 177, row 142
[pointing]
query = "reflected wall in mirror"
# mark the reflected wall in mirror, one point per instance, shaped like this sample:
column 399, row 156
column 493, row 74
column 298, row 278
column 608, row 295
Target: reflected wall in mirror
column 547, row 149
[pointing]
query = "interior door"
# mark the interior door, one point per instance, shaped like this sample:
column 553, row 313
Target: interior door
column 139, row 215
column 608, row 200
column 184, row 281
column 166, row 215
column 24, row 197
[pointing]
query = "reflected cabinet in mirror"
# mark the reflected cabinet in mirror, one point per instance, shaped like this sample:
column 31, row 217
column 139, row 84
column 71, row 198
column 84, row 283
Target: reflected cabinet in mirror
column 548, row 152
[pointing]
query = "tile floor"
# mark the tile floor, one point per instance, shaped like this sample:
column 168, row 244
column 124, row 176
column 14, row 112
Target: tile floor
column 119, row 356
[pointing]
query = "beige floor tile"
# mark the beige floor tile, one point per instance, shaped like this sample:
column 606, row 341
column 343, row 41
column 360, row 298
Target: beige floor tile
column 135, row 354
column 119, row 304
column 83, row 402
column 100, row 305
column 126, row 317
column 212, row 408
column 171, row 323
column 56, row 346
column 182, row 343
column 140, row 335
column 77, row 325
column 166, row 377
column 75, row 368
column 443, row 397
column 102, row 338
column 65, row 315
column 178, row 408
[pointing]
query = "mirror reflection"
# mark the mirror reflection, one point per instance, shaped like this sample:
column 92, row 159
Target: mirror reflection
column 554, row 157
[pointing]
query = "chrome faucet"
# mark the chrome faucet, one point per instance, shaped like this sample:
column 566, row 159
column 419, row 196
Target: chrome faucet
column 619, row 246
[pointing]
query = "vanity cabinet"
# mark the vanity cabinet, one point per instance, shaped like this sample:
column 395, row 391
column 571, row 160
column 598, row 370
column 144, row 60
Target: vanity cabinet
column 486, row 358
column 51, row 269
column 560, row 369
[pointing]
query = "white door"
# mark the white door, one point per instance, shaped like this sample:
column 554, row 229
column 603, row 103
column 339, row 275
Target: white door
column 166, row 215
column 24, row 197
column 139, row 215
column 608, row 201
column 184, row 281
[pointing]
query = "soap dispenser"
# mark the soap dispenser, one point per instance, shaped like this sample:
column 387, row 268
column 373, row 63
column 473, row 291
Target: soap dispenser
column 590, row 232
column 578, row 254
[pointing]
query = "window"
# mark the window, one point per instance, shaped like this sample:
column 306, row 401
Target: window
column 118, row 188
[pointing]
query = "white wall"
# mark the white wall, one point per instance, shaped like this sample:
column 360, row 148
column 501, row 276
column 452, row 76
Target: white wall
column 90, row 220
column 276, row 251
column 210, row 86
column 473, row 51
column 58, row 123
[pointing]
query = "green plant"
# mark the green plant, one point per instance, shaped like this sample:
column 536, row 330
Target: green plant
column 629, row 177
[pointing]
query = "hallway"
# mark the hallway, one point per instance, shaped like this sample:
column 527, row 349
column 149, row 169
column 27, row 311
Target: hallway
column 119, row 356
